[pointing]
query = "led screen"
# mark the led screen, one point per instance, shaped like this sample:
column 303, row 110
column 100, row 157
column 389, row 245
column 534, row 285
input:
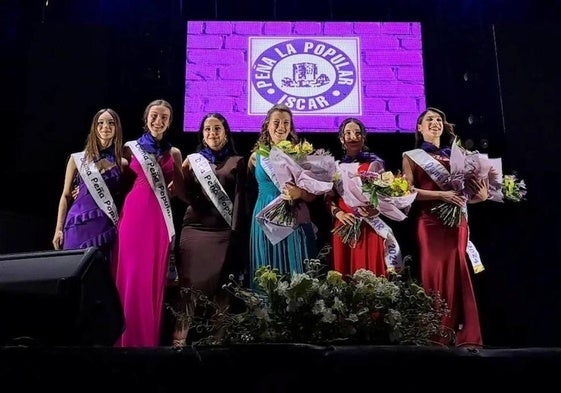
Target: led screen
column 323, row 71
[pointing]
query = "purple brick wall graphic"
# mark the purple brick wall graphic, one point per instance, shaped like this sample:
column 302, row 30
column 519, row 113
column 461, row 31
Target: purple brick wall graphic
column 324, row 71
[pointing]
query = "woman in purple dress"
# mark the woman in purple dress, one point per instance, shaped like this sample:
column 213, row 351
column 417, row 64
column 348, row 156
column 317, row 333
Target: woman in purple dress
column 90, row 218
column 146, row 230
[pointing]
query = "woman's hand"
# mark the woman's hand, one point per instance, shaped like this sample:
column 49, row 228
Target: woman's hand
column 75, row 191
column 345, row 218
column 291, row 192
column 453, row 197
column 58, row 239
column 171, row 189
column 478, row 188
column 367, row 211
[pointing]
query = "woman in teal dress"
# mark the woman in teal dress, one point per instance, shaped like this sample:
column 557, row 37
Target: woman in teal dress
column 288, row 254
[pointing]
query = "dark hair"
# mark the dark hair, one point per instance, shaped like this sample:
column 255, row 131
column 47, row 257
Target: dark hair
column 264, row 137
column 229, row 141
column 158, row 102
column 92, row 141
column 448, row 127
column 360, row 125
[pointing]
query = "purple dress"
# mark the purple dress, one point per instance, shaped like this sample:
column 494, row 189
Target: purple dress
column 86, row 224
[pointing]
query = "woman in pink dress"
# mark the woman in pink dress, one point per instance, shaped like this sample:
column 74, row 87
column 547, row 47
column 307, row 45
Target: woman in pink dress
column 145, row 233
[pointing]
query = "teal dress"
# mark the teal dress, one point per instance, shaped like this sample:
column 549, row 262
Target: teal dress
column 287, row 255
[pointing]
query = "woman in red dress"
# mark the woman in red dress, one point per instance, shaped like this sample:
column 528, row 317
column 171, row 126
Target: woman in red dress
column 442, row 249
column 368, row 251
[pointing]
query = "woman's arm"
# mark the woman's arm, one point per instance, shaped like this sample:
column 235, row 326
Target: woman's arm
column 64, row 202
column 331, row 200
column 239, row 195
column 177, row 186
column 429, row 195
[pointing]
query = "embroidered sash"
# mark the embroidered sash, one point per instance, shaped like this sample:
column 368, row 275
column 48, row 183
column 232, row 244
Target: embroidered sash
column 155, row 176
column 96, row 186
column 212, row 186
column 440, row 175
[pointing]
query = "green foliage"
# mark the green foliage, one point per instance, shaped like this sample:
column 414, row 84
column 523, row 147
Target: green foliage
column 323, row 307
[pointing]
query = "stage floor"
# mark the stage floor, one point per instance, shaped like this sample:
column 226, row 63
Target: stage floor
column 276, row 368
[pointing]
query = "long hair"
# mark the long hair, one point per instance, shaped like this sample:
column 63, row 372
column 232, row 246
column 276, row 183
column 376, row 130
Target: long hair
column 92, row 141
column 448, row 127
column 265, row 138
column 229, row 141
column 158, row 102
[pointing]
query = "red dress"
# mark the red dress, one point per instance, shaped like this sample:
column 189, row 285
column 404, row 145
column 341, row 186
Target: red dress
column 444, row 266
column 369, row 250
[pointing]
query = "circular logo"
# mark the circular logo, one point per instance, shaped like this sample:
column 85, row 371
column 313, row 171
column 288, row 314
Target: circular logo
column 305, row 74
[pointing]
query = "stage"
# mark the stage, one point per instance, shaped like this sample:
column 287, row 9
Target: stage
column 276, row 368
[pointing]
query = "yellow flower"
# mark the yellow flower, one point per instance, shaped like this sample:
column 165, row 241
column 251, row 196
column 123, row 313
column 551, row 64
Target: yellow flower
column 400, row 186
column 387, row 177
column 334, row 277
column 306, row 147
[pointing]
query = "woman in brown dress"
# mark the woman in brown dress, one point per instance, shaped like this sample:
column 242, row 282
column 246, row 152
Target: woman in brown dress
column 214, row 188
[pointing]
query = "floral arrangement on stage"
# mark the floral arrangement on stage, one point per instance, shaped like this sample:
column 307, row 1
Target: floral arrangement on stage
column 325, row 307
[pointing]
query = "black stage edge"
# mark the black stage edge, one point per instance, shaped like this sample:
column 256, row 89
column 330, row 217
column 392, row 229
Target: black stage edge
column 277, row 368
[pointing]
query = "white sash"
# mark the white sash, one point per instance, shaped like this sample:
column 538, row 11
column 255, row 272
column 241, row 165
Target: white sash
column 212, row 186
column 155, row 176
column 392, row 252
column 96, row 186
column 440, row 175
column 268, row 168
column 437, row 172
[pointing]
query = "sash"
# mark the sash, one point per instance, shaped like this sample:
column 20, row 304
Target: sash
column 268, row 168
column 212, row 187
column 96, row 186
column 392, row 252
column 436, row 171
column 155, row 177
column 440, row 175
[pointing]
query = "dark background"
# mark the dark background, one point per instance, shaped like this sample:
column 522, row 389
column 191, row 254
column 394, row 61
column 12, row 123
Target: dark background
column 490, row 65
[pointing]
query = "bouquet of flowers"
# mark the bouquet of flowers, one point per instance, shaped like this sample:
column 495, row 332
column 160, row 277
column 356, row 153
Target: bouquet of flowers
column 296, row 164
column 385, row 189
column 465, row 165
column 513, row 189
column 390, row 194
column 296, row 151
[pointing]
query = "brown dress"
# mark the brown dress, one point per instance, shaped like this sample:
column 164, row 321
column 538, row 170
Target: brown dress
column 206, row 254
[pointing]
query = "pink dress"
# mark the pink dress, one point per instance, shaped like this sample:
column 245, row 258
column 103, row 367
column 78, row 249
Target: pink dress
column 141, row 259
